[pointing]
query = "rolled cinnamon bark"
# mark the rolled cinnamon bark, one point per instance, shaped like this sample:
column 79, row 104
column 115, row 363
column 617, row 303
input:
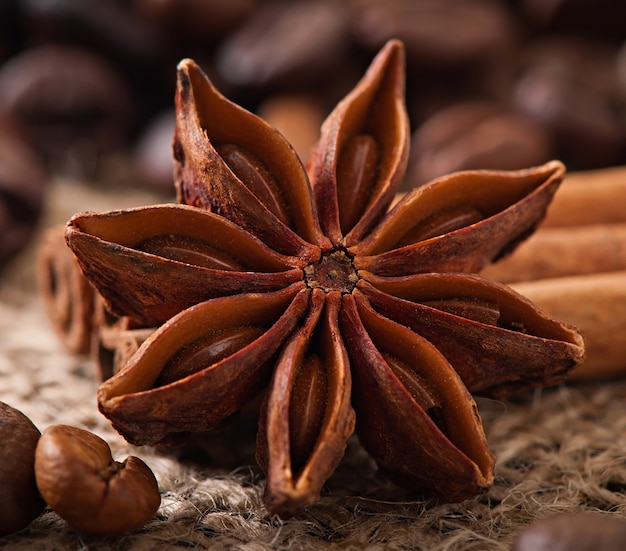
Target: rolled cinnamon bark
column 563, row 251
column 596, row 304
column 589, row 197
column 67, row 296
column 114, row 340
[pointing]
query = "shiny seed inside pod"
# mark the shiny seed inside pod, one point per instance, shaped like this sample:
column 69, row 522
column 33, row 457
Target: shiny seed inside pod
column 439, row 223
column 357, row 170
column 307, row 410
column 189, row 251
column 256, row 177
column 206, row 351
column 475, row 309
column 79, row 479
column 417, row 388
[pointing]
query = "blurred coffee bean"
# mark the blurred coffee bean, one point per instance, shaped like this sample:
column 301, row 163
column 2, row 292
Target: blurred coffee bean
column 297, row 117
column 23, row 183
column 476, row 135
column 197, row 21
column 573, row 532
column 570, row 86
column 286, row 45
column 112, row 30
column 108, row 27
column 588, row 17
column 437, row 32
column 21, row 502
column 459, row 46
column 473, row 42
column 153, row 154
column 456, row 50
column 72, row 103
column 588, row 62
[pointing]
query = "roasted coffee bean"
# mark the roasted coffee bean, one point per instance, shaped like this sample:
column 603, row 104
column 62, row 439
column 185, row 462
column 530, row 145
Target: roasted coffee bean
column 23, row 182
column 79, row 479
column 604, row 18
column 197, row 22
column 106, row 27
column 573, row 532
column 570, row 87
column 21, row 502
column 441, row 33
column 72, row 103
column 455, row 49
column 476, row 135
column 285, row 44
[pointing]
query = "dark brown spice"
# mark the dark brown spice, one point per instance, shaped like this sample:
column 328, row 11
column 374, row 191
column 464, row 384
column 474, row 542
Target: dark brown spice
column 356, row 313
column 21, row 502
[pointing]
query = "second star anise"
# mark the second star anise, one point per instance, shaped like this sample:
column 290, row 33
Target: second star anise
column 311, row 284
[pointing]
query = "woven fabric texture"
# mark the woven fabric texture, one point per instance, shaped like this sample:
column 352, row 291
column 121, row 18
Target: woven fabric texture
column 558, row 450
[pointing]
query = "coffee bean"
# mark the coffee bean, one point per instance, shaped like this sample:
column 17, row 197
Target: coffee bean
column 442, row 33
column 84, row 485
column 285, row 44
column 570, row 87
column 72, row 103
column 196, row 22
column 21, row 502
column 476, row 135
column 605, row 18
column 23, row 181
column 107, row 28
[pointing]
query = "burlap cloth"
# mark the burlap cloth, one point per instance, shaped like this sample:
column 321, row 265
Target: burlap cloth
column 558, row 449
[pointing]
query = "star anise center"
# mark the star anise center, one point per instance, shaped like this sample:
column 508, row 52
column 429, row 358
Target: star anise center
column 333, row 272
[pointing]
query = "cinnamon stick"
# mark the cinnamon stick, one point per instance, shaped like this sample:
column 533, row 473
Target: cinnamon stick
column 563, row 251
column 596, row 304
column 590, row 197
column 67, row 296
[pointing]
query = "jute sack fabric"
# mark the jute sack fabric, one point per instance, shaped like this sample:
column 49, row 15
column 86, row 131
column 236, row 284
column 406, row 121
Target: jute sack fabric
column 558, row 450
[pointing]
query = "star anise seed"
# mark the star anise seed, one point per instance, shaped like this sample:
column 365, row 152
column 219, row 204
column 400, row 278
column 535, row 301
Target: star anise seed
column 309, row 283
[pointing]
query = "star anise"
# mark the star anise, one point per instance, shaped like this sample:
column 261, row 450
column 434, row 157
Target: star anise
column 311, row 284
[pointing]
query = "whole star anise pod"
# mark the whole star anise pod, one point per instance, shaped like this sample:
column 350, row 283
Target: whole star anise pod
column 311, row 284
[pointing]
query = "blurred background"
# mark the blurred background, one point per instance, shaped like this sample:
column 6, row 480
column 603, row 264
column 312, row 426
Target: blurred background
column 87, row 87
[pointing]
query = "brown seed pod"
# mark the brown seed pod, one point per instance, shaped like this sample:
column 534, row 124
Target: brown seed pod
column 67, row 295
column 81, row 481
column 21, row 502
